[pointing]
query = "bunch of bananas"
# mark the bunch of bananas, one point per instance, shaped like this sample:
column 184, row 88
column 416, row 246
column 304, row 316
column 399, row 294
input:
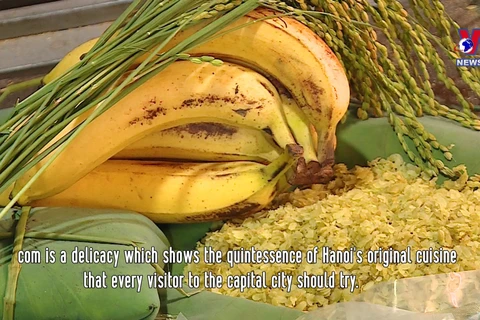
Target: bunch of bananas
column 202, row 141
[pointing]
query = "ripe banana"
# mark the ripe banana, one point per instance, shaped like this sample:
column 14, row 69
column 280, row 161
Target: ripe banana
column 172, row 192
column 204, row 142
column 288, row 52
column 72, row 58
column 182, row 93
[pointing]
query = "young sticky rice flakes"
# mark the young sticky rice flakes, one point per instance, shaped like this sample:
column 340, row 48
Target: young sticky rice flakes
column 386, row 205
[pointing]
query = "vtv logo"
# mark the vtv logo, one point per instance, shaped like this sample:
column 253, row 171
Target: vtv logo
column 468, row 43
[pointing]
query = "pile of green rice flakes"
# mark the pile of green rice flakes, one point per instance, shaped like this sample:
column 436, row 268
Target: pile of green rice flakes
column 388, row 204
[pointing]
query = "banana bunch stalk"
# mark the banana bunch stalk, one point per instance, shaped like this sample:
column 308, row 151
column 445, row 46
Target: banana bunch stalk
column 204, row 140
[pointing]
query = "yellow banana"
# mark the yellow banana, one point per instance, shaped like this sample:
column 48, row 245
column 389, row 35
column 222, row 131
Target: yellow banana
column 306, row 135
column 204, row 141
column 172, row 192
column 72, row 58
column 182, row 93
column 289, row 53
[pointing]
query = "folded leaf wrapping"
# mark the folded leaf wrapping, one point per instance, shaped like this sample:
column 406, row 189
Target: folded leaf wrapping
column 56, row 290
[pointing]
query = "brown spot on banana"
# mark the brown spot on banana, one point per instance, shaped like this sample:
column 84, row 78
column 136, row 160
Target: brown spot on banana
column 134, row 121
column 242, row 112
column 267, row 88
column 239, row 210
column 207, row 128
column 198, row 102
column 313, row 87
column 151, row 114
